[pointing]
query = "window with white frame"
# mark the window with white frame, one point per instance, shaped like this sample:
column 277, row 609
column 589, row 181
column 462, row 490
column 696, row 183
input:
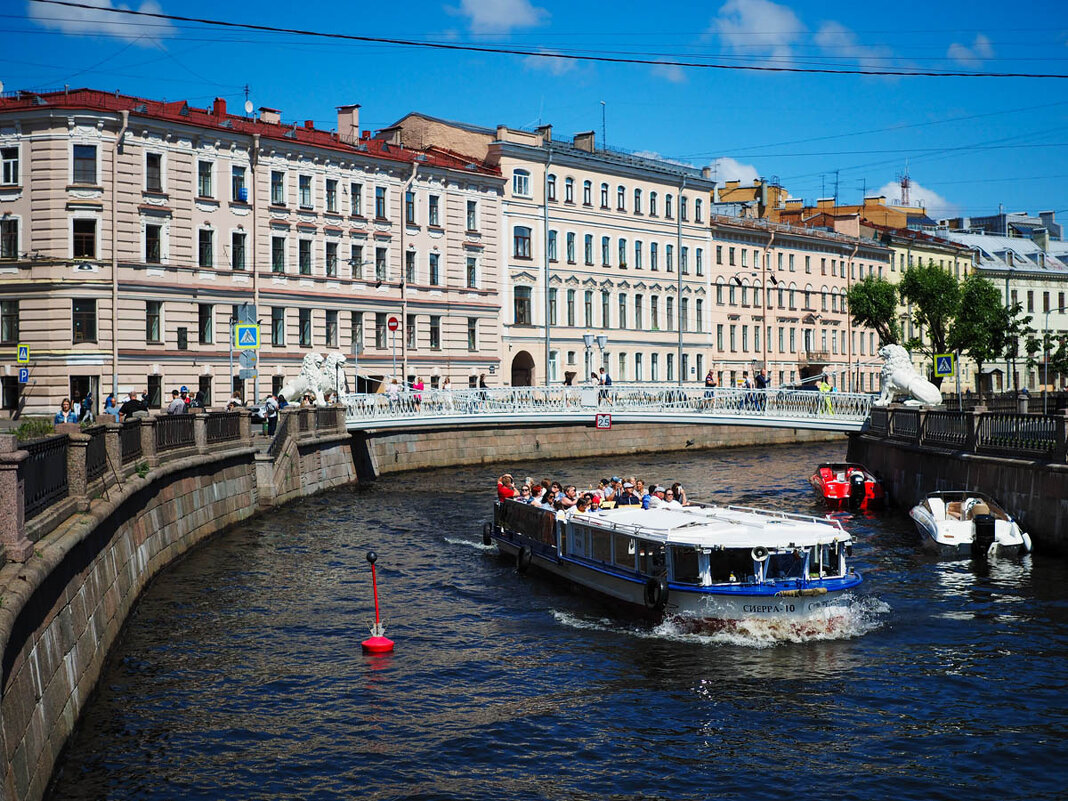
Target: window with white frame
column 604, row 196
column 238, row 189
column 205, row 247
column 9, row 237
column 304, row 327
column 472, row 215
column 278, row 254
column 83, row 238
column 356, row 199
column 472, row 272
column 153, row 243
column 587, row 191
column 521, row 241
column 588, row 248
column 84, row 164
column 637, row 201
column 435, row 269
column 569, row 190
column 380, row 203
column 570, row 247
column 552, row 245
column 331, row 328
column 304, row 256
column 331, row 259
column 331, row 195
column 621, row 198
column 153, row 172
column 153, row 321
column 521, row 183
column 433, row 211
column 9, row 166
column 278, row 188
column 304, row 191
column 551, row 185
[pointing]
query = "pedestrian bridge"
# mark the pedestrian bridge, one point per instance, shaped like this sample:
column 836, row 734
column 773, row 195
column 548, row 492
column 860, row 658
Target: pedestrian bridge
column 626, row 403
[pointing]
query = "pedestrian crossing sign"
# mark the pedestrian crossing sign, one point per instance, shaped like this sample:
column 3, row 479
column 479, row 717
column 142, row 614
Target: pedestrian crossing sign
column 246, row 336
column 22, row 355
column 945, row 365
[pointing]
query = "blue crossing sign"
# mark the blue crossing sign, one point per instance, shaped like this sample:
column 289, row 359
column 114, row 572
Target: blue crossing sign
column 24, row 375
column 246, row 335
column 22, row 354
column 945, row 365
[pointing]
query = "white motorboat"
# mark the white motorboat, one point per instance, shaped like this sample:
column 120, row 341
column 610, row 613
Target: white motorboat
column 701, row 566
column 968, row 522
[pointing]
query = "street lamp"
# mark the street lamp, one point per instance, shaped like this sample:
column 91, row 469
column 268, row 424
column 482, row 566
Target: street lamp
column 1045, row 378
column 588, row 340
column 602, row 341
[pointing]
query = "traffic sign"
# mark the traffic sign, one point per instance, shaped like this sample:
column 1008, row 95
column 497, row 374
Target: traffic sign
column 24, row 375
column 246, row 335
column 246, row 373
column 604, row 421
column 23, row 355
column 945, row 365
column 393, row 323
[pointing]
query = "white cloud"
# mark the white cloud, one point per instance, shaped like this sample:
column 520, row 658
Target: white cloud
column 837, row 40
column 500, row 16
column 145, row 31
column 554, row 66
column 937, row 206
column 980, row 50
column 727, row 169
column 669, row 72
column 756, row 27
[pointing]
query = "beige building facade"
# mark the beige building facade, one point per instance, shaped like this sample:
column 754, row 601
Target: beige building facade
column 135, row 232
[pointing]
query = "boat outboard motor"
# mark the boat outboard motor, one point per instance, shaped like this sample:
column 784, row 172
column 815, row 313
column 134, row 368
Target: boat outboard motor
column 984, row 534
column 857, row 489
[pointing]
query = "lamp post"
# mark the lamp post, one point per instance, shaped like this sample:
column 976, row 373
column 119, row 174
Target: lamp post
column 1045, row 377
column 588, row 340
column 602, row 342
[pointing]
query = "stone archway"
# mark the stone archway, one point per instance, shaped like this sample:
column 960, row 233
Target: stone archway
column 523, row 370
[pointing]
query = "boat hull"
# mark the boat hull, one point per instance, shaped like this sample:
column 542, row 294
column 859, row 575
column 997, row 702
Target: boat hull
column 936, row 537
column 832, row 484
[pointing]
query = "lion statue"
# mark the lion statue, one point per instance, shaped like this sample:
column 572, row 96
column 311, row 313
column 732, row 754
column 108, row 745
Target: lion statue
column 333, row 373
column 308, row 380
column 899, row 377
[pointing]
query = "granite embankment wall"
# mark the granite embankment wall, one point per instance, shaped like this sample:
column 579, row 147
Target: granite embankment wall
column 63, row 606
column 378, row 454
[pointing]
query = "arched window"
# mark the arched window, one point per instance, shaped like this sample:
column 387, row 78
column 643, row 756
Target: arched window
column 637, row 201
column 521, row 183
column 621, row 198
column 604, row 196
column 652, row 204
column 551, row 181
column 667, row 206
column 587, row 191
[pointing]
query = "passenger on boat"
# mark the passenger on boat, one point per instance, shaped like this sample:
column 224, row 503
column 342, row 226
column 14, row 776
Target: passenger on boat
column 628, row 498
column 556, row 491
column 581, row 507
column 670, row 502
column 656, row 499
column 612, row 489
column 524, row 494
column 639, row 488
column 506, row 488
column 537, row 496
column 568, row 499
column 680, row 493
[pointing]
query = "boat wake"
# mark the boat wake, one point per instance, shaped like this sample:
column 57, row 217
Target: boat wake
column 477, row 545
column 858, row 618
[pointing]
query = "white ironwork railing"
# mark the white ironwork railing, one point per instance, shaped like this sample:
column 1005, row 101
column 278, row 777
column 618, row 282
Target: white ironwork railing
column 628, row 401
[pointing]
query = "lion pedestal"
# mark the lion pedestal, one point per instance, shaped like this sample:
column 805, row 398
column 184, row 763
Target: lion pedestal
column 899, row 377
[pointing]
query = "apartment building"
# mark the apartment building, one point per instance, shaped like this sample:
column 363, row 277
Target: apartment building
column 133, row 233
column 606, row 254
column 780, row 303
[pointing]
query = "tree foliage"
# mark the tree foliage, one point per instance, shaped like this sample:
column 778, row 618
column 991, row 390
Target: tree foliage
column 984, row 328
column 934, row 297
column 873, row 303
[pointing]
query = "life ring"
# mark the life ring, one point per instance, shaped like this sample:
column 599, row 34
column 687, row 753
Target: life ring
column 759, row 554
column 522, row 559
column 487, row 533
column 656, row 593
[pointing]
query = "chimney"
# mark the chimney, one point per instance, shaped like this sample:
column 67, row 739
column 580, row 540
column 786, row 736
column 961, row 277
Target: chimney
column 706, row 172
column 348, row 123
column 309, row 124
column 1040, row 236
column 546, row 133
column 825, row 203
column 502, row 132
column 585, row 141
column 270, row 116
column 219, row 109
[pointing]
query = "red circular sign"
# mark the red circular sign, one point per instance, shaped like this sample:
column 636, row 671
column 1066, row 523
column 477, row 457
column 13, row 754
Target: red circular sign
column 393, row 324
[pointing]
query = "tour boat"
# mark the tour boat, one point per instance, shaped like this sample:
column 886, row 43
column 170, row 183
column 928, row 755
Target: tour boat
column 849, row 483
column 968, row 522
column 701, row 566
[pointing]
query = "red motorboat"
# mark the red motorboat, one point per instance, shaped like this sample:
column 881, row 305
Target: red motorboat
column 848, row 483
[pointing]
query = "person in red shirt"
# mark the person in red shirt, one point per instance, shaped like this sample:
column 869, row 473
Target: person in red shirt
column 506, row 488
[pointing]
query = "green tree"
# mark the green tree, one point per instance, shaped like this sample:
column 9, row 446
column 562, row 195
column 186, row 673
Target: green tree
column 984, row 328
column 933, row 297
column 873, row 303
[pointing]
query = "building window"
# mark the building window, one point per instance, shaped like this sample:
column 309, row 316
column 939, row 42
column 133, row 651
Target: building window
column 684, row 314
column 237, row 250
column 472, row 272
column 697, row 218
column 472, row 333
column 522, row 242
column 719, row 336
column 85, row 164
column 434, row 211
column 380, row 202
column 682, row 207
column 153, row 244
column 569, row 190
column 587, row 191
column 670, row 367
column 278, row 326
column 381, row 273
column 356, row 260
column 552, row 306
column 637, row 255
column 331, row 259
column 639, row 320
column 570, row 307
column 604, row 196
column 472, row 215
column 83, row 319
column 654, row 256
column 551, row 182
column 521, row 183
column 570, row 247
column 238, row 190
column 380, row 330
column 409, row 331
column 435, row 269
column 9, row 238
column 587, row 309
column 435, row 332
column 522, row 306
column 409, row 207
column 278, row 254
column 622, row 253
column 9, row 166
column 304, row 191
column 622, row 309
column 205, row 247
column 654, row 367
column 667, row 211
column 700, row 311
column 154, row 172
column 278, row 188
column 9, row 321
column 331, row 328
column 409, row 267
column 356, row 332
column 305, row 323
column 552, row 245
column 356, row 199
column 654, row 312
column 331, row 195
column 206, row 323
column 606, row 249
column 621, row 199
column 84, row 239
column 588, row 248
column 652, row 204
column 669, row 313
column 304, row 256
column 669, row 261
column 684, row 260
column 637, row 201
column 606, row 309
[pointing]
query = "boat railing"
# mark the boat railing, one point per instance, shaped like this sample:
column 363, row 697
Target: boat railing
column 789, row 516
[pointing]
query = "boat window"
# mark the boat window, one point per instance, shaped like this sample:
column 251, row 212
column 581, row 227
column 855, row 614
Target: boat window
column 650, row 557
column 831, row 563
column 686, row 564
column 785, row 565
column 625, row 551
column 736, row 562
column 600, row 546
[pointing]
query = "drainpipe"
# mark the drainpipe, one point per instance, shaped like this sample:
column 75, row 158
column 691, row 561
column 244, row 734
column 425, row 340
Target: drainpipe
column 678, row 268
column 253, row 161
column 849, row 317
column 404, row 277
column 545, row 253
column 115, row 258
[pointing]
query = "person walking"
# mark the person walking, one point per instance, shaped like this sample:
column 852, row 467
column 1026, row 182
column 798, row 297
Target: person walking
column 270, row 408
column 66, row 413
column 177, row 405
column 762, row 384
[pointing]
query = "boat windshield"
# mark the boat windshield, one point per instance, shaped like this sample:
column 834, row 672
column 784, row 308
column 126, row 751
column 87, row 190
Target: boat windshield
column 789, row 564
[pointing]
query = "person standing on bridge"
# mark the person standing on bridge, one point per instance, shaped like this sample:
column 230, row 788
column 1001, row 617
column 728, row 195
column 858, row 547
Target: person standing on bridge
column 762, row 384
column 825, row 393
column 270, row 410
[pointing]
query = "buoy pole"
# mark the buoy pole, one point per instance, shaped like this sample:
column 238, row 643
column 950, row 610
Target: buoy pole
column 377, row 643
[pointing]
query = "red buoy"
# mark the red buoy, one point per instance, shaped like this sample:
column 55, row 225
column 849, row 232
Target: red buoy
column 377, row 643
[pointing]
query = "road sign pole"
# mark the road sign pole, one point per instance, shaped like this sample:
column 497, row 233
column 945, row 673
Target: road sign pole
column 233, row 322
column 394, row 336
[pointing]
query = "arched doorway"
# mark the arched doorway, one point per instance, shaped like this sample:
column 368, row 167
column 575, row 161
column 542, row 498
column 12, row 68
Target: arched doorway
column 523, row 370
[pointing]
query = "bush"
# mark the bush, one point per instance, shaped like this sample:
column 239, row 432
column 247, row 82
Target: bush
column 34, row 428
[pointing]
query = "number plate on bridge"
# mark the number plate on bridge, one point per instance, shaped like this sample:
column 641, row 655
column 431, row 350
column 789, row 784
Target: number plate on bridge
column 603, row 421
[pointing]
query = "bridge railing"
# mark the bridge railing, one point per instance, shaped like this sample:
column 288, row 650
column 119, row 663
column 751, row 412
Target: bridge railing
column 981, row 431
column 623, row 398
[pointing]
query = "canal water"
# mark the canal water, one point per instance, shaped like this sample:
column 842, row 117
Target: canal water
column 240, row 674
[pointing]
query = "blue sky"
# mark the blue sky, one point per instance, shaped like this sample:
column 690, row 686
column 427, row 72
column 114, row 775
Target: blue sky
column 970, row 143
